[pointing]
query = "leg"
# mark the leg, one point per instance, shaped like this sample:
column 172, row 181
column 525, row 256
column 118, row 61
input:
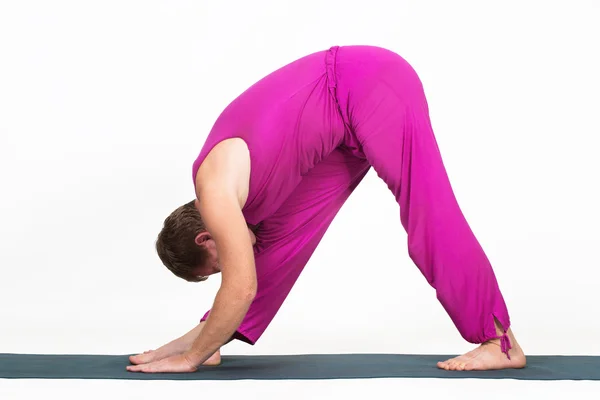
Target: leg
column 287, row 239
column 389, row 122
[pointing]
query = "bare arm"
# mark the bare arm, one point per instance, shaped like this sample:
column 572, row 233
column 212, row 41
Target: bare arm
column 222, row 189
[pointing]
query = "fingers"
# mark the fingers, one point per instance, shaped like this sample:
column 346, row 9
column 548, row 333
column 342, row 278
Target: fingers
column 146, row 368
column 137, row 359
column 144, row 358
column 173, row 364
column 149, row 368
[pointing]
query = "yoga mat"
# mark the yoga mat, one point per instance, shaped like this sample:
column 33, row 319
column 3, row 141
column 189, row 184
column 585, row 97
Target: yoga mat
column 311, row 366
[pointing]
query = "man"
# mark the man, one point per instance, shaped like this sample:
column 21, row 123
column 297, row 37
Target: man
column 278, row 165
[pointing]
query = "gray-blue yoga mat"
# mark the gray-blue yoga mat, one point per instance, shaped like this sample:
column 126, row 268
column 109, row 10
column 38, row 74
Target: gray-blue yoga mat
column 311, row 366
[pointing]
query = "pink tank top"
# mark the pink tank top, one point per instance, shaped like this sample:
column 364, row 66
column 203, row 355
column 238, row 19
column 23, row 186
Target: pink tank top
column 289, row 121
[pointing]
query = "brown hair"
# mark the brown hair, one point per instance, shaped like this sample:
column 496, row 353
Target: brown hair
column 176, row 246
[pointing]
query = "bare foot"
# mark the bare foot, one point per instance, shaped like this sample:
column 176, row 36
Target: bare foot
column 488, row 356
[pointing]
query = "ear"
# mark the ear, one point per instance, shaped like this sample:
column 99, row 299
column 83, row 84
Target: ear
column 201, row 238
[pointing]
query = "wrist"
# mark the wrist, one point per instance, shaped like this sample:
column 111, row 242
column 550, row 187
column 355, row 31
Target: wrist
column 197, row 353
column 192, row 359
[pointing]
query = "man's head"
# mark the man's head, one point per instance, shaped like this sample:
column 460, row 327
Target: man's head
column 185, row 247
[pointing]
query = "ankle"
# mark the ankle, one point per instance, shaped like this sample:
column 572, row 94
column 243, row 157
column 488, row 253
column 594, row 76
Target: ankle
column 495, row 342
column 499, row 328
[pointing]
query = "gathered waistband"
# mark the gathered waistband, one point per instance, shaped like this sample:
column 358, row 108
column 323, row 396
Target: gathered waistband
column 332, row 82
column 330, row 65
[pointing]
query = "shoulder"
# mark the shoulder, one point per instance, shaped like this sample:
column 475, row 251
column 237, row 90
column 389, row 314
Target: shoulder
column 232, row 143
column 225, row 168
column 224, row 153
column 228, row 150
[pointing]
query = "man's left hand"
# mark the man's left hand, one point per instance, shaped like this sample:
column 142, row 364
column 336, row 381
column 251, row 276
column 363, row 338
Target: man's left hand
column 180, row 363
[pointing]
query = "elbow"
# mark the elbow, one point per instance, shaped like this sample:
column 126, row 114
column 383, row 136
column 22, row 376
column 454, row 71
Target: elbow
column 240, row 287
column 245, row 297
column 242, row 293
column 249, row 295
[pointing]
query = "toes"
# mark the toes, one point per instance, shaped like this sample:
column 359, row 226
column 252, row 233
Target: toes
column 445, row 364
column 453, row 366
column 470, row 366
column 454, row 363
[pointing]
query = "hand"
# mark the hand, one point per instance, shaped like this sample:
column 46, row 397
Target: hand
column 150, row 356
column 156, row 355
column 180, row 363
column 173, row 348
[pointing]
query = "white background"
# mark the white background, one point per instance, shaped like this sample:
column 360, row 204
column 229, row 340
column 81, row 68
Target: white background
column 104, row 105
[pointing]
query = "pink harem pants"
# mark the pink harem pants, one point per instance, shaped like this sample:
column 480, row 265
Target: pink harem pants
column 382, row 104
